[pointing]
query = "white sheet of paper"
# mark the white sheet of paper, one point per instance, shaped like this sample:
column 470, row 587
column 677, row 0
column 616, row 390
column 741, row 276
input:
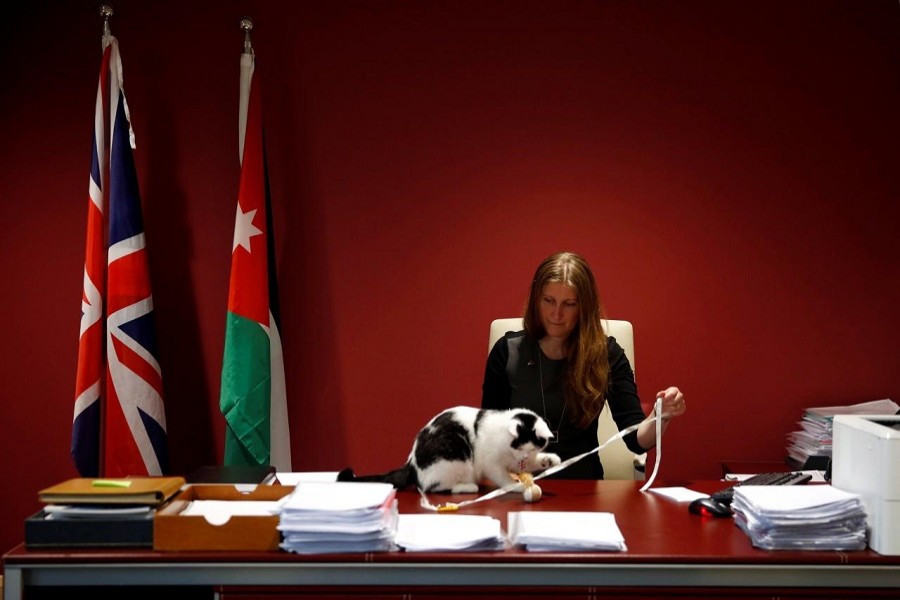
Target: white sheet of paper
column 296, row 477
column 792, row 499
column 549, row 530
column 445, row 532
column 338, row 497
column 678, row 494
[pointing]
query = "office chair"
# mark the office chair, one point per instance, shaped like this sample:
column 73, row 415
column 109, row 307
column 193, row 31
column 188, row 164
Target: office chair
column 618, row 461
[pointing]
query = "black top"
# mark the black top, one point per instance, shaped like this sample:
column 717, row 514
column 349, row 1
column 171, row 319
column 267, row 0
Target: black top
column 519, row 375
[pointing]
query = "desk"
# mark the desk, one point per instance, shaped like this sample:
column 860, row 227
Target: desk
column 667, row 548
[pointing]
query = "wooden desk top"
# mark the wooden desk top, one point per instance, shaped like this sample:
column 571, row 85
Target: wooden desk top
column 656, row 530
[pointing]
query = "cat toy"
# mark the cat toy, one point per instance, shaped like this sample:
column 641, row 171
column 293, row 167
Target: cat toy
column 524, row 482
column 532, row 491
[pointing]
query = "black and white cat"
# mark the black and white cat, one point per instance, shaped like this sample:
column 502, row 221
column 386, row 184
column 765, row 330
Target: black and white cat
column 463, row 446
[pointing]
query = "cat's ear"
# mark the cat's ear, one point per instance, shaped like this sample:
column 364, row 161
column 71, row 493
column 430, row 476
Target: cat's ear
column 514, row 428
column 542, row 429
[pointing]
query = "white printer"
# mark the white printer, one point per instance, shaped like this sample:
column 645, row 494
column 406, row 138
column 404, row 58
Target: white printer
column 866, row 461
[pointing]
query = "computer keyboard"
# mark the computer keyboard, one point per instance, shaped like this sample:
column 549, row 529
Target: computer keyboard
column 791, row 478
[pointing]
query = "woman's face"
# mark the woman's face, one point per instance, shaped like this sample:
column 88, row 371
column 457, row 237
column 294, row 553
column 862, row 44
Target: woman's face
column 559, row 309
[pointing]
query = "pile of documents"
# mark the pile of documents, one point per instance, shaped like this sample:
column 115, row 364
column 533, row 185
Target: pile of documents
column 814, row 437
column 548, row 531
column 800, row 517
column 321, row 517
column 448, row 532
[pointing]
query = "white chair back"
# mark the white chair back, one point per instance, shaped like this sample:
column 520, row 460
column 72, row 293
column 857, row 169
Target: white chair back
column 623, row 331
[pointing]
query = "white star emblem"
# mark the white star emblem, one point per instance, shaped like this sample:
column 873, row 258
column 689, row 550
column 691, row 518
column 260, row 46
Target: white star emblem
column 244, row 229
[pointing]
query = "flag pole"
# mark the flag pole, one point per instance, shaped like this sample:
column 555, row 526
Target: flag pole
column 247, row 60
column 90, row 374
column 106, row 11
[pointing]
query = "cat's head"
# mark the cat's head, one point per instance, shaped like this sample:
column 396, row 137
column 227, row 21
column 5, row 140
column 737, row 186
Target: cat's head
column 530, row 432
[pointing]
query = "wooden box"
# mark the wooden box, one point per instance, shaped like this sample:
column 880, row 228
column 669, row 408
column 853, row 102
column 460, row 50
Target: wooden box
column 173, row 530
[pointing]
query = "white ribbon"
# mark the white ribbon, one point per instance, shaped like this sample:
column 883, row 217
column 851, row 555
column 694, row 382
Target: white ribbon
column 657, row 410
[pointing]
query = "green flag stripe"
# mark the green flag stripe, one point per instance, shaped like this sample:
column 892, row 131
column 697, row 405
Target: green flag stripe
column 246, row 392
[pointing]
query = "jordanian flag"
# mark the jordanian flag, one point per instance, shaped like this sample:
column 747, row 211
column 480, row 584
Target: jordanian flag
column 253, row 394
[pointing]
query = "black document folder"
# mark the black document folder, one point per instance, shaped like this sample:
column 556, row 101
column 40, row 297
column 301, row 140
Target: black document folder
column 264, row 474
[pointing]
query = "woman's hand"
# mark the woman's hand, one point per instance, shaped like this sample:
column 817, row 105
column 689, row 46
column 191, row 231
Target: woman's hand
column 673, row 404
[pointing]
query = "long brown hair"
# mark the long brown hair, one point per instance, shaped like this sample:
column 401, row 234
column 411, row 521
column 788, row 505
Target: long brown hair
column 587, row 370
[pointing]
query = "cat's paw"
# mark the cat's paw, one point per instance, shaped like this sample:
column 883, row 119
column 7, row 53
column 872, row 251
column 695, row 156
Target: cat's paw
column 548, row 459
column 464, row 488
column 346, row 475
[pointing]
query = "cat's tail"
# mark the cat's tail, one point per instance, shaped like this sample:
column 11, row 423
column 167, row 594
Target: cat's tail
column 399, row 478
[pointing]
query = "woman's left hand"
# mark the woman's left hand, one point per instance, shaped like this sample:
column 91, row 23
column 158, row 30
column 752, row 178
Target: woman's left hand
column 673, row 404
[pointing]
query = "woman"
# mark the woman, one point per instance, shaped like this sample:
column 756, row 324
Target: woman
column 563, row 367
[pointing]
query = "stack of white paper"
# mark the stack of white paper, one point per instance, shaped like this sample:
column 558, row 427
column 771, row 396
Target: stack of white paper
column 448, row 532
column 60, row 512
column 817, row 426
column 336, row 516
column 546, row 531
column 800, row 517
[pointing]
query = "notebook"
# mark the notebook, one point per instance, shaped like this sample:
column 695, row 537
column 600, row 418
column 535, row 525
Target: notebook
column 150, row 491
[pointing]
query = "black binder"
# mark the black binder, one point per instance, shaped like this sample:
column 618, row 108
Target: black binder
column 262, row 475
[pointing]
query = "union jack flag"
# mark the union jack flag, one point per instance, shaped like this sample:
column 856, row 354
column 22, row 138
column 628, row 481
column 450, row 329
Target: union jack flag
column 119, row 425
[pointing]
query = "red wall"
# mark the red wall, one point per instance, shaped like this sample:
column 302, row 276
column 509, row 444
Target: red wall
column 729, row 169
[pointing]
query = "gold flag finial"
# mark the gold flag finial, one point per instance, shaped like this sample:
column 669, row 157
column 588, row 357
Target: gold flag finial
column 106, row 12
column 246, row 26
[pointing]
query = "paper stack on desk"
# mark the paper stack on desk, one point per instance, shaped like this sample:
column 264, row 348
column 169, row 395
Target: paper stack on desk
column 319, row 517
column 546, row 531
column 817, row 427
column 448, row 532
column 800, row 517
